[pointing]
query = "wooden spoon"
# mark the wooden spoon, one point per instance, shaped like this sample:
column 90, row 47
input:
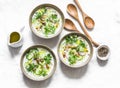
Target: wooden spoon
column 88, row 21
column 72, row 10
column 70, row 26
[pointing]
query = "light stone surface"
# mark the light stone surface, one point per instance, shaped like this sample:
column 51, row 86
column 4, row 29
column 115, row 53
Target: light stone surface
column 14, row 14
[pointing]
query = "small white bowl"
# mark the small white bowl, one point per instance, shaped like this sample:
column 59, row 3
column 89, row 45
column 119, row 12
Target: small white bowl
column 15, row 44
column 104, row 58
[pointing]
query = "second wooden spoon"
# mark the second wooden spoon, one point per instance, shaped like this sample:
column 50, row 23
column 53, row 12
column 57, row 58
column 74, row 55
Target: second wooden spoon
column 88, row 21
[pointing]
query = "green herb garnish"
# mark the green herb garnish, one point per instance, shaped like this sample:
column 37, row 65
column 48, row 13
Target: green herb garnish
column 38, row 61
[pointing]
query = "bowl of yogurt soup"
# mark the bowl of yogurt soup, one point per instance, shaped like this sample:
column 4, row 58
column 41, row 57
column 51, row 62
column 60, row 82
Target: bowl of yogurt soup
column 38, row 63
column 75, row 50
column 46, row 21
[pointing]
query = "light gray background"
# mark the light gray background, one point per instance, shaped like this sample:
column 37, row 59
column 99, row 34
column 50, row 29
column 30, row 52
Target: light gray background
column 15, row 13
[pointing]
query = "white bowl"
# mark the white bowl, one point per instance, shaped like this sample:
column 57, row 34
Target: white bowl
column 53, row 7
column 82, row 63
column 35, row 78
column 108, row 54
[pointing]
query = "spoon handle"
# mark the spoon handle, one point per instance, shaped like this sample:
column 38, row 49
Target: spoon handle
column 95, row 43
column 86, row 33
column 78, row 4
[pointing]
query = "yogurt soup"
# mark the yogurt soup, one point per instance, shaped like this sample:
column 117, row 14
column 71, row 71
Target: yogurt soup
column 47, row 22
column 38, row 63
column 74, row 50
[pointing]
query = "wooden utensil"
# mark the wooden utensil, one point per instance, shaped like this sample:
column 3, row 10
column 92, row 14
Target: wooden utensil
column 72, row 10
column 88, row 21
column 70, row 26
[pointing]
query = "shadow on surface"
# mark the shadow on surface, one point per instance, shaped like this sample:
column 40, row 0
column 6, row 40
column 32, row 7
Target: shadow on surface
column 102, row 63
column 14, row 51
column 36, row 84
column 48, row 42
column 75, row 73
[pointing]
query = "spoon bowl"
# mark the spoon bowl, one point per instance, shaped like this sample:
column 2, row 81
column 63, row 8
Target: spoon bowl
column 69, row 25
column 89, row 23
column 72, row 10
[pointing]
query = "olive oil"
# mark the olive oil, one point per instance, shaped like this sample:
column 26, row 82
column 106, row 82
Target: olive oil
column 14, row 37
